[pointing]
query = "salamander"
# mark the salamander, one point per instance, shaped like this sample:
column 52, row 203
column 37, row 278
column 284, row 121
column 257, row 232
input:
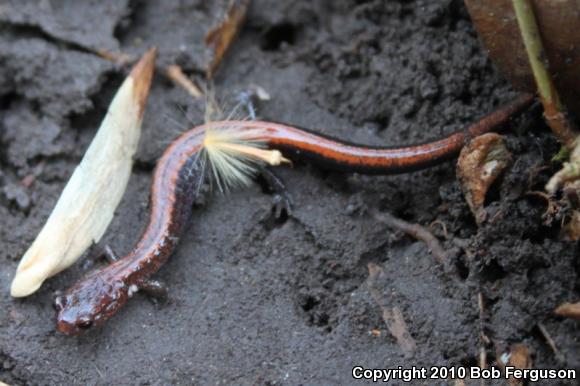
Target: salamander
column 181, row 171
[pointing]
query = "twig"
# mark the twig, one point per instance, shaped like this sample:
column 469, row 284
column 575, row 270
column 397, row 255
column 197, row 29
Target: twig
column 415, row 230
column 483, row 338
column 392, row 316
column 569, row 310
column 554, row 111
column 120, row 59
column 551, row 342
column 175, row 73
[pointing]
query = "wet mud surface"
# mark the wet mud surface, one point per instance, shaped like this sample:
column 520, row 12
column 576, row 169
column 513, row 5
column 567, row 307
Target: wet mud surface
column 255, row 300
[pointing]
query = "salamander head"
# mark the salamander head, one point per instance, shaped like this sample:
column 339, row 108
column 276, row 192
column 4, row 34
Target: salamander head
column 88, row 304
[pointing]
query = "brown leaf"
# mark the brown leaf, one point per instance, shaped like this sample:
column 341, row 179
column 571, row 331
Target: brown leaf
column 559, row 26
column 479, row 164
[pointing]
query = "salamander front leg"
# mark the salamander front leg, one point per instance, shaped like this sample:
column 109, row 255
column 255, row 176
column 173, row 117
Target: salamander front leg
column 282, row 200
column 250, row 97
column 154, row 289
column 98, row 251
column 109, row 254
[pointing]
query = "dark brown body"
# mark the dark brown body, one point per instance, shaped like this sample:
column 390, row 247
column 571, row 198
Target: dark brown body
column 180, row 173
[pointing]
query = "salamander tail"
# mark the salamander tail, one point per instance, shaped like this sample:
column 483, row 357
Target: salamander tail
column 234, row 155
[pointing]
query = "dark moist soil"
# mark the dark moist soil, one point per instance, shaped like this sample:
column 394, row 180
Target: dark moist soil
column 255, row 300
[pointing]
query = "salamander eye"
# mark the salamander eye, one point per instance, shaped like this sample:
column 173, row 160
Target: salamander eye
column 84, row 324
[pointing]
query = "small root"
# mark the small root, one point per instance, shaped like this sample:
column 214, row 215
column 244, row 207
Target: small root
column 415, row 230
column 443, row 228
column 551, row 342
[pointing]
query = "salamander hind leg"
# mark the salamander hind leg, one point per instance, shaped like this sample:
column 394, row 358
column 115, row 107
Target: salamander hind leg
column 156, row 290
column 282, row 200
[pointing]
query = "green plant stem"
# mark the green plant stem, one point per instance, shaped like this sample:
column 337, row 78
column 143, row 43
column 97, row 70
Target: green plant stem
column 553, row 109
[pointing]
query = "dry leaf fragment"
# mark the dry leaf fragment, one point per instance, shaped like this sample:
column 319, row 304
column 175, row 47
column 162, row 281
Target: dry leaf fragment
column 568, row 178
column 220, row 37
column 518, row 357
column 569, row 310
column 570, row 171
column 478, row 166
column 375, row 332
column 89, row 199
column 572, row 229
column 398, row 328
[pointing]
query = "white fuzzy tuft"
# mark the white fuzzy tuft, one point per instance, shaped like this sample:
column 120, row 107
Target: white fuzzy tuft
column 234, row 155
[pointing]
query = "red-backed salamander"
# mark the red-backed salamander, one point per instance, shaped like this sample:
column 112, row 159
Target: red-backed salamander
column 181, row 171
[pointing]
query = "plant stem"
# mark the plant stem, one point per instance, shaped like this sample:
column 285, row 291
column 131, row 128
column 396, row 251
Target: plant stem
column 554, row 111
